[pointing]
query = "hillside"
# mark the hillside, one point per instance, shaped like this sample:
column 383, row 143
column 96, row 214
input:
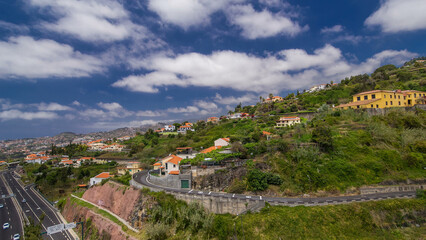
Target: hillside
column 334, row 152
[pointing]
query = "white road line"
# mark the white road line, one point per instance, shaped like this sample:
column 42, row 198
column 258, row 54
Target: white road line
column 190, row 190
column 233, row 195
column 210, row 192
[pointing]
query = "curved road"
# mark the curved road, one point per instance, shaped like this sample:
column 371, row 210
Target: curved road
column 142, row 178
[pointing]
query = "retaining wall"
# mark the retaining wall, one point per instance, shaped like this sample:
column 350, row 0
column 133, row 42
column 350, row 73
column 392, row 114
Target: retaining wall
column 400, row 188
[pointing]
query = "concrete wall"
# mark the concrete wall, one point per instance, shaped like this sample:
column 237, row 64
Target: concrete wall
column 221, row 205
column 385, row 189
column 383, row 111
column 170, row 181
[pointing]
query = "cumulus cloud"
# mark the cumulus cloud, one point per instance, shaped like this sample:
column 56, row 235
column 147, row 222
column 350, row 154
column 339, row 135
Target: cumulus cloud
column 333, row 29
column 234, row 100
column 76, row 103
column 53, row 107
column 90, row 20
column 262, row 24
column 17, row 114
column 25, row 57
column 14, row 28
column 149, row 113
column 287, row 70
column 399, row 15
column 189, row 109
column 188, row 13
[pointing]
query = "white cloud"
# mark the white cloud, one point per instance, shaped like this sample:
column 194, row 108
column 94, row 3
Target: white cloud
column 188, row 13
column 289, row 69
column 189, row 109
column 76, row 103
column 16, row 114
column 25, row 57
column 15, row 28
column 348, row 38
column 262, row 24
column 5, row 104
column 90, row 20
column 334, row 29
column 149, row 113
column 234, row 100
column 399, row 15
column 111, row 106
column 53, row 107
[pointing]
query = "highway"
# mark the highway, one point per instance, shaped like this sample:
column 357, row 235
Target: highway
column 8, row 214
column 34, row 206
column 142, row 178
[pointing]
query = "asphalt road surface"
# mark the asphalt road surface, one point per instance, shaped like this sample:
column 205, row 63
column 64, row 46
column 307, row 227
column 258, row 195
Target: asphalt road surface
column 34, row 206
column 8, row 214
column 141, row 178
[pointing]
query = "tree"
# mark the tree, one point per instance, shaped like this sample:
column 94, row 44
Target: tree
column 323, row 136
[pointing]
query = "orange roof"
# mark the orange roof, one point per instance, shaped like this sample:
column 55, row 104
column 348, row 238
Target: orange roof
column 358, row 103
column 2, row 161
column 67, row 162
column 207, row 150
column 175, row 159
column 157, row 164
column 183, row 148
column 266, row 133
column 32, row 156
column 161, row 167
column 86, row 158
column 292, row 117
column 226, row 139
column 82, row 185
column 174, row 172
column 103, row 175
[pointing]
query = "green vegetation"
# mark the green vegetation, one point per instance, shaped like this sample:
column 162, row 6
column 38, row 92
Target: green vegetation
column 59, row 182
column 388, row 219
column 32, row 231
column 124, row 179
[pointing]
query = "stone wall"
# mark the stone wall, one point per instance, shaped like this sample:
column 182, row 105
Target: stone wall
column 385, row 189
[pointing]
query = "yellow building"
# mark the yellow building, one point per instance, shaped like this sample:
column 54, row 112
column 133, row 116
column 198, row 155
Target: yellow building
column 132, row 168
column 385, row 99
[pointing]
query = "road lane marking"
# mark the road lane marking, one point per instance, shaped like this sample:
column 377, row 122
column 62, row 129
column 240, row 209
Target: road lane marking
column 210, row 192
column 233, row 195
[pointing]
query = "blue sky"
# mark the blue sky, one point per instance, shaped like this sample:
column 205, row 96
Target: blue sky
column 94, row 65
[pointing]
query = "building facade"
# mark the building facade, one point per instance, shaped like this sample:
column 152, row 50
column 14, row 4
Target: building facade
column 385, row 99
column 287, row 121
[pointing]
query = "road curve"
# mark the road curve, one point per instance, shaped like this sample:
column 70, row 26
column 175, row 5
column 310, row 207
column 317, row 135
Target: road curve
column 141, row 178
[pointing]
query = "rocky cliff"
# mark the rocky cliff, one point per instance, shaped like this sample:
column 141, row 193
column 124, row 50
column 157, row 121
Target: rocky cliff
column 96, row 226
column 127, row 202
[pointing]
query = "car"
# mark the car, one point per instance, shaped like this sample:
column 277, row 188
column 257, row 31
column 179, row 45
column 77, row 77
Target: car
column 24, row 201
column 16, row 237
column 6, row 225
column 1, row 206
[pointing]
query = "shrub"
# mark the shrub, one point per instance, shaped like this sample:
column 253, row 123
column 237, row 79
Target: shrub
column 157, row 231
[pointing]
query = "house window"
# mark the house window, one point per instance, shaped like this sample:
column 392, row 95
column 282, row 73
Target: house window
column 384, row 95
column 377, row 105
column 365, row 97
column 372, row 106
column 358, row 98
column 373, row 96
column 390, row 96
column 357, row 106
column 405, row 97
column 391, row 103
column 174, row 165
column 399, row 103
column 386, row 103
column 415, row 95
column 399, row 97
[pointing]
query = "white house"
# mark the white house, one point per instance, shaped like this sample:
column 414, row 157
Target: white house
column 98, row 179
column 169, row 128
column 222, row 142
column 287, row 121
column 317, row 88
column 184, row 129
column 172, row 165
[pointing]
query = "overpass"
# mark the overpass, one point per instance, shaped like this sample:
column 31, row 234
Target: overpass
column 220, row 202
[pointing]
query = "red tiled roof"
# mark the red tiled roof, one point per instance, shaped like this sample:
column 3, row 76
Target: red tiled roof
column 175, row 159
column 157, row 164
column 226, row 139
column 183, row 148
column 266, row 133
column 104, row 175
column 207, row 150
column 174, row 172
column 82, row 185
